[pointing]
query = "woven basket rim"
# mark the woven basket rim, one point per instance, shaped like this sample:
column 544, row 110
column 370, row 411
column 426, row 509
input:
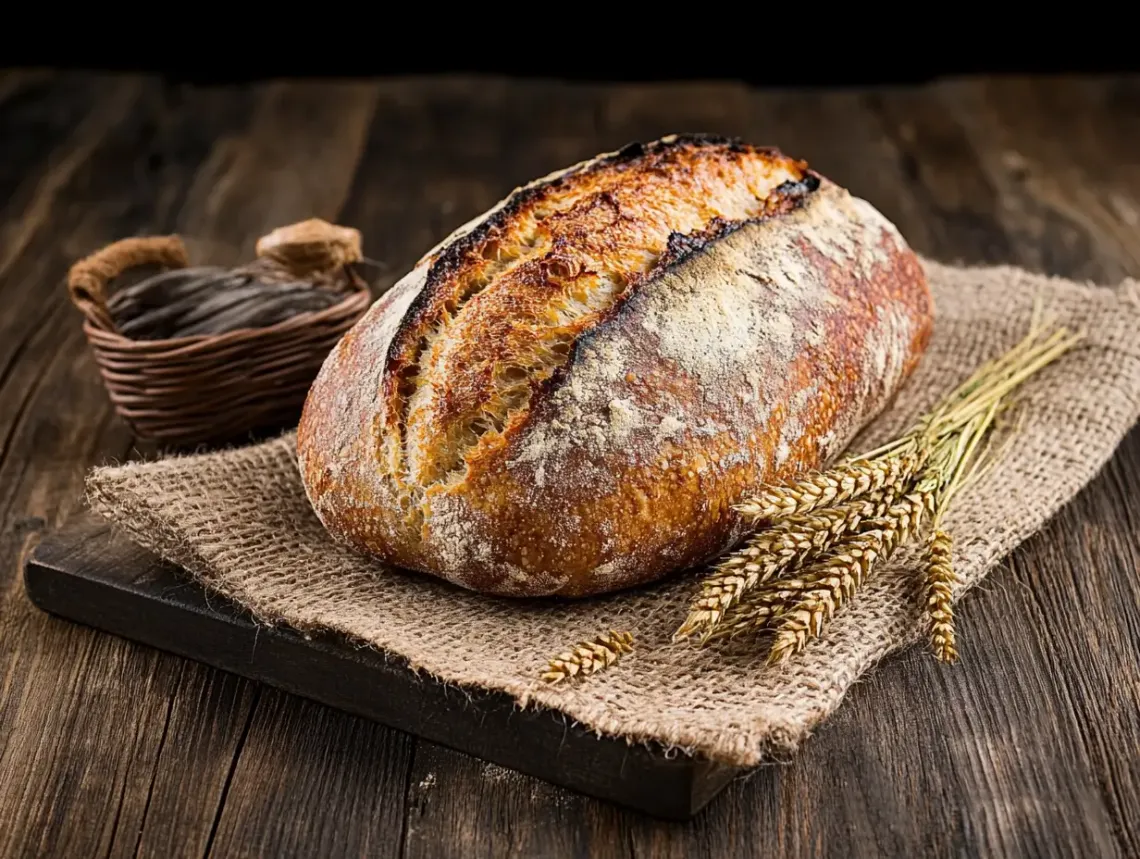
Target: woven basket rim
column 201, row 388
column 109, row 338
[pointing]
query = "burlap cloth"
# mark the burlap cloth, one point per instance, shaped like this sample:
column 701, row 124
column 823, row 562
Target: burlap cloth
column 239, row 522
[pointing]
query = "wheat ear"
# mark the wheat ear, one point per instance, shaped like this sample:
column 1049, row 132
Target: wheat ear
column 833, row 582
column 769, row 553
column 755, row 613
column 589, row 657
column 937, row 591
column 839, row 484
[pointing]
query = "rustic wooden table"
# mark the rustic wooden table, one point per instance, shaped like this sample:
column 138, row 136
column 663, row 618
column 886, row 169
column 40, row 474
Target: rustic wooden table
column 1029, row 747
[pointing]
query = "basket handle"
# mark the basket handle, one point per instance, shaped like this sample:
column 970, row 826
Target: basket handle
column 309, row 247
column 87, row 279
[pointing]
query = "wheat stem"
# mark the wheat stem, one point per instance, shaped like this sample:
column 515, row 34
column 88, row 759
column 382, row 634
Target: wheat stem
column 904, row 444
column 993, row 388
column 964, row 463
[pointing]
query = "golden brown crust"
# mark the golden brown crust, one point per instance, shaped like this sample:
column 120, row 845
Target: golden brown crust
column 572, row 406
column 503, row 305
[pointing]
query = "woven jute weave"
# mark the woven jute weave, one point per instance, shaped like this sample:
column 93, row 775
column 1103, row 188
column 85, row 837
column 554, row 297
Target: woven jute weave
column 239, row 522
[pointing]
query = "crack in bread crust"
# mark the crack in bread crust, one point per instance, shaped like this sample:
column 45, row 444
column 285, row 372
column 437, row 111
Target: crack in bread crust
column 504, row 304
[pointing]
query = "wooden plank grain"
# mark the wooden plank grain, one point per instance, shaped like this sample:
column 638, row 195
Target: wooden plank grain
column 58, row 423
column 954, row 199
column 49, row 127
column 82, row 716
column 1068, row 188
column 1083, row 586
column 208, row 714
column 461, row 806
column 833, row 132
column 311, row 781
column 295, row 158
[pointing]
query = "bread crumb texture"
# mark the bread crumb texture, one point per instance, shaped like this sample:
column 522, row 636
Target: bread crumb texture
column 568, row 395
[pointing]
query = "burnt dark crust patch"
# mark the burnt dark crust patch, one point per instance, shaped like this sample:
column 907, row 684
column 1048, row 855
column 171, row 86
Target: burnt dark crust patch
column 785, row 198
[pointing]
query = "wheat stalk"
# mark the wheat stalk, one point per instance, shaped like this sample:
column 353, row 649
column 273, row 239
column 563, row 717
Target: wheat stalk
column 937, row 592
column 823, row 536
column 589, row 657
column 768, row 554
column 798, row 608
column 832, row 583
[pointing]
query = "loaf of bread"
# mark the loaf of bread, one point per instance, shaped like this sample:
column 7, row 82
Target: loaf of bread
column 568, row 395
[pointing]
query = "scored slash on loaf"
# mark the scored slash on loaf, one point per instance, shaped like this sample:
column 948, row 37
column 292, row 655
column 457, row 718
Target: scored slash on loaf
column 570, row 393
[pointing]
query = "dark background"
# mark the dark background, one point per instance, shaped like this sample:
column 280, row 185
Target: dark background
column 763, row 46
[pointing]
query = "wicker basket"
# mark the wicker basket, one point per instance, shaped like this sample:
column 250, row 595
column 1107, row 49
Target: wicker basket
column 213, row 388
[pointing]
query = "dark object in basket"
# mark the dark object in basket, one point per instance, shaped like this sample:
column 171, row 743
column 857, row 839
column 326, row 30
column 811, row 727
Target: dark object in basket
column 205, row 354
column 211, row 300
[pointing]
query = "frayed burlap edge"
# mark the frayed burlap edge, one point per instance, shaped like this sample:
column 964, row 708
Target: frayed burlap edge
column 1078, row 412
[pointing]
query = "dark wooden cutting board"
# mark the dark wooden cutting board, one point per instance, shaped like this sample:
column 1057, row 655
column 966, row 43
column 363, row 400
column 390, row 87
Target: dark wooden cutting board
column 91, row 573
